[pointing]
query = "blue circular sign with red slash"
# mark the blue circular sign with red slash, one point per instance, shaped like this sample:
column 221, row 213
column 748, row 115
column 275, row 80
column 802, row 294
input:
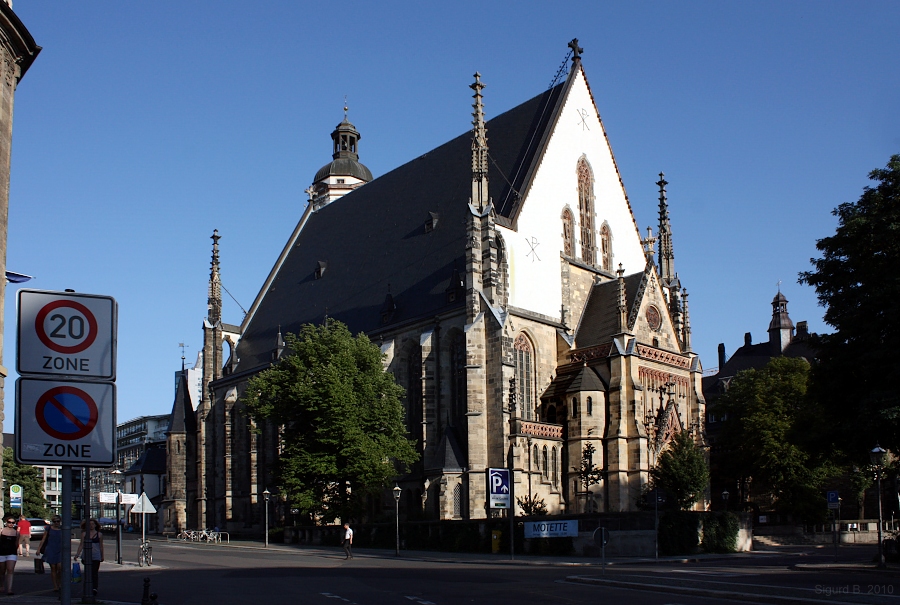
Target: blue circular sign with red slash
column 72, row 322
column 66, row 413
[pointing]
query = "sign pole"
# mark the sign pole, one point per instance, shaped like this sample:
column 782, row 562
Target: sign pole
column 65, row 589
column 511, row 511
column 87, row 554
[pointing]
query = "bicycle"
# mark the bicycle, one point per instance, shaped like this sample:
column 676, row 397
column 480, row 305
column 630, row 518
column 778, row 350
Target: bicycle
column 145, row 554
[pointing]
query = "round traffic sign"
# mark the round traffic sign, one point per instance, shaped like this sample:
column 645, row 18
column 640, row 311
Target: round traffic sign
column 66, row 326
column 66, row 413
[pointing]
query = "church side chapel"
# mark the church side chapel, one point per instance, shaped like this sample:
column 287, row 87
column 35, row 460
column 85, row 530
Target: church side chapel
column 507, row 282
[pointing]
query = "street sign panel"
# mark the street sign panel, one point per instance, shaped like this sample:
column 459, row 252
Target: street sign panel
column 498, row 487
column 66, row 334
column 65, row 422
column 129, row 499
column 15, row 496
column 107, row 497
column 834, row 500
column 144, row 505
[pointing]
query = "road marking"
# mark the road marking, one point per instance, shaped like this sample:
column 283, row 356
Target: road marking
column 422, row 601
column 334, row 596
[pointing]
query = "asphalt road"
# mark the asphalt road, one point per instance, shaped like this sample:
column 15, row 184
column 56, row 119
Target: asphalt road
column 222, row 575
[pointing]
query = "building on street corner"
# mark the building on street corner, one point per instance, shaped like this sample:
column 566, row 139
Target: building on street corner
column 514, row 297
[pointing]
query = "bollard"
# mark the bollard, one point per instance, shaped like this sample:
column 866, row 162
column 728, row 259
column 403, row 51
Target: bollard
column 153, row 598
column 145, row 599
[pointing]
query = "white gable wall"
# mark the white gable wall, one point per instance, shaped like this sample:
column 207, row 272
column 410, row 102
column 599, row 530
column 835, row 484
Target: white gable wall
column 534, row 249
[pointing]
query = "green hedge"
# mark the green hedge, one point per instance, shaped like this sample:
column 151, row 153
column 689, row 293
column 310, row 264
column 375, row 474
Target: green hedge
column 720, row 532
column 680, row 532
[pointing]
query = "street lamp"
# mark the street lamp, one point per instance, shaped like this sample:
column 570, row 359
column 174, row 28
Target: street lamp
column 878, row 455
column 267, row 493
column 725, row 495
column 397, row 491
column 118, row 482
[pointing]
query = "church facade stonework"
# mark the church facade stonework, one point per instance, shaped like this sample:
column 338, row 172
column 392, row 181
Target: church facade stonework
column 514, row 299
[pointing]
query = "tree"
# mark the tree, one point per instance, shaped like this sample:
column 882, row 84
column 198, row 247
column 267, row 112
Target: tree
column 343, row 433
column 588, row 474
column 532, row 506
column 682, row 471
column 32, row 482
column 767, row 435
column 856, row 281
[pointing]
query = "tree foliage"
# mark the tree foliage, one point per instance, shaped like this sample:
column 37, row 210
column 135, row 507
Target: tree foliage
column 32, row 482
column 767, row 433
column 682, row 471
column 857, row 282
column 344, row 437
column 532, row 505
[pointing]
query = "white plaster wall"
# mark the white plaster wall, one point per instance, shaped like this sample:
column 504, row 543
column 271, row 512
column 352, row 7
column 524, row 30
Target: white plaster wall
column 534, row 276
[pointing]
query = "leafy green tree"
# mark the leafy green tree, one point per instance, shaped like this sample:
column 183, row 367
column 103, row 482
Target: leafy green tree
column 856, row 281
column 587, row 472
column 767, row 433
column 532, row 506
column 32, row 482
column 344, row 437
column 682, row 471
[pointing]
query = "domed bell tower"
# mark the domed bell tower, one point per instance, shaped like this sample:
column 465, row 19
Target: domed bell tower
column 345, row 172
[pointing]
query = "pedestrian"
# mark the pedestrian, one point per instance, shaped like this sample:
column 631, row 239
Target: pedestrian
column 24, row 526
column 51, row 550
column 91, row 532
column 9, row 542
column 347, row 543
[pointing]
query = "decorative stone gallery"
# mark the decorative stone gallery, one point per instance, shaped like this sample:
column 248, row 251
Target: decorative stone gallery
column 505, row 278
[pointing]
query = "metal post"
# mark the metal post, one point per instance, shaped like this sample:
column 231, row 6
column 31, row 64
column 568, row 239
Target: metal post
column 65, row 590
column 397, row 491
column 881, row 562
column 118, row 525
column 511, row 511
column 266, row 494
column 87, row 555
column 656, row 523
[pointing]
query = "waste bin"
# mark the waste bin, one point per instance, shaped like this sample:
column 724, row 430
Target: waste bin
column 495, row 541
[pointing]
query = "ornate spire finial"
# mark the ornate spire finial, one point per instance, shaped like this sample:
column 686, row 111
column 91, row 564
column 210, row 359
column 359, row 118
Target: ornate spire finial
column 664, row 234
column 214, row 300
column 479, row 147
column 576, row 50
column 346, row 108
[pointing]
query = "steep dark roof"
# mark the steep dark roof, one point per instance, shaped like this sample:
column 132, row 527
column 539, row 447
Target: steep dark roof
column 753, row 356
column 344, row 167
column 582, row 379
column 600, row 320
column 151, row 462
column 374, row 239
column 182, row 419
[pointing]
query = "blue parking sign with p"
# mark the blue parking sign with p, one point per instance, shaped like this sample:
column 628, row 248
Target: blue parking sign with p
column 834, row 501
column 498, row 487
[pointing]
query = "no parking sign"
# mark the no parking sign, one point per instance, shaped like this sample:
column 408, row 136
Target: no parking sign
column 65, row 422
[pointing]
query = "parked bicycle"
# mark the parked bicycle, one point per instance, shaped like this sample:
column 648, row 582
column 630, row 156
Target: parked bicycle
column 145, row 554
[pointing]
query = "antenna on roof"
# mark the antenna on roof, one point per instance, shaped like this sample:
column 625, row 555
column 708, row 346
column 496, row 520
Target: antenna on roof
column 182, row 345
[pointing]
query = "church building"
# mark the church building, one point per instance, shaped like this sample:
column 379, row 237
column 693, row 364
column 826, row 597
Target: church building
column 506, row 280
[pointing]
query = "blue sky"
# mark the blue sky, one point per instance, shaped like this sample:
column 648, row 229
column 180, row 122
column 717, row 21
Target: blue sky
column 143, row 126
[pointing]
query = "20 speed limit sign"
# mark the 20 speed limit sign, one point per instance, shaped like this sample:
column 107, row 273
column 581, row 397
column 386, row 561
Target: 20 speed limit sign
column 66, row 334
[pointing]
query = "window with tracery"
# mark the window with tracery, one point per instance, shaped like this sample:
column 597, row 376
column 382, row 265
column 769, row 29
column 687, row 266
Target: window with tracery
column 458, row 380
column 414, row 394
column 545, row 463
column 536, row 461
column 554, row 467
column 586, row 211
column 524, row 359
column 457, row 500
column 568, row 232
column 606, row 248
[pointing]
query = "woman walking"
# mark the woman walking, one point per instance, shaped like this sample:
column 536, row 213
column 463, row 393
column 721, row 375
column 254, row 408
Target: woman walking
column 9, row 543
column 92, row 534
column 51, row 548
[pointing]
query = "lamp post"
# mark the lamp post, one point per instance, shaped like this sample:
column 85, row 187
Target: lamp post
column 267, row 493
column 118, row 481
column 397, row 491
column 725, row 495
column 878, row 459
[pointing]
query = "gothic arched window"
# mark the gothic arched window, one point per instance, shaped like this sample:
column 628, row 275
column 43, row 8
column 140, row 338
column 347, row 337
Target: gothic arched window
column 606, row 248
column 574, row 407
column 554, row 467
column 414, row 394
column 545, row 463
column 524, row 358
column 457, row 500
column 536, row 461
column 586, row 210
column 457, row 380
column 590, row 406
column 568, row 222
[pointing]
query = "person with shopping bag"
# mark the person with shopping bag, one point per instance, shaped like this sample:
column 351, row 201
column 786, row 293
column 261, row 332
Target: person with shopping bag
column 50, row 551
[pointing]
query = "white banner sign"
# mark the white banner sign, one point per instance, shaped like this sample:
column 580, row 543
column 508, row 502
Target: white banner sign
column 552, row 529
column 129, row 498
column 107, row 497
